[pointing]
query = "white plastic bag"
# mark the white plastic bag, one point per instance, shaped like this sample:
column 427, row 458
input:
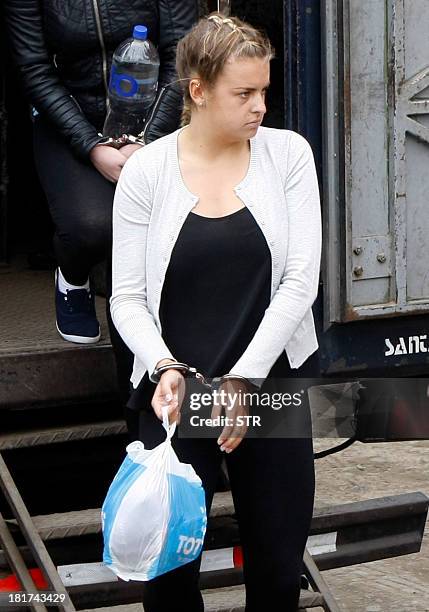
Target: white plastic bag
column 154, row 515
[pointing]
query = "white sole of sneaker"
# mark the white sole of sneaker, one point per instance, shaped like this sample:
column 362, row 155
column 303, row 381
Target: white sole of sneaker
column 78, row 339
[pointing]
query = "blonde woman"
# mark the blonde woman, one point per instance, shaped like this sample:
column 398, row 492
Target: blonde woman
column 216, row 254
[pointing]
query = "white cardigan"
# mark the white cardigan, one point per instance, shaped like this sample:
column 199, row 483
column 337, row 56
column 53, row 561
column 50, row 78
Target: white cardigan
column 150, row 206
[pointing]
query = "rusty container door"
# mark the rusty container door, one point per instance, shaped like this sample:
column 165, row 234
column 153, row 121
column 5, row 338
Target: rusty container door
column 376, row 158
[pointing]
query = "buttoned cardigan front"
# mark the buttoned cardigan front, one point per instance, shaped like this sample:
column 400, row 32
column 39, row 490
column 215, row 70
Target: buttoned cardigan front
column 150, row 206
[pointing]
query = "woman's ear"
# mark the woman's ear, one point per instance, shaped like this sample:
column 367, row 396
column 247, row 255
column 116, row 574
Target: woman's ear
column 196, row 91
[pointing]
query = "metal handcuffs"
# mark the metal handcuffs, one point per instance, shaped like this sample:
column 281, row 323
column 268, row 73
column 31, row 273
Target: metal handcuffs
column 117, row 143
column 189, row 371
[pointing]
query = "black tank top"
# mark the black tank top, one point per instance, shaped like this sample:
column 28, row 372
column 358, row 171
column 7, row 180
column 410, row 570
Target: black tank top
column 216, row 290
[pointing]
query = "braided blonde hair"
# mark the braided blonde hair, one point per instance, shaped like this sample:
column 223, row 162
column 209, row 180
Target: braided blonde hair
column 204, row 51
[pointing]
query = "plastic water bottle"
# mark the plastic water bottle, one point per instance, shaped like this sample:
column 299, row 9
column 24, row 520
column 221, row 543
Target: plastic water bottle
column 133, row 84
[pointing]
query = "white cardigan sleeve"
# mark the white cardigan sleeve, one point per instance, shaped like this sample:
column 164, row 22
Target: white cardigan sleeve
column 128, row 304
column 299, row 283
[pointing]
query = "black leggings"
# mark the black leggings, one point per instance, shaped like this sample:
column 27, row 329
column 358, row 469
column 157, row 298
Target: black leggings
column 80, row 201
column 272, row 484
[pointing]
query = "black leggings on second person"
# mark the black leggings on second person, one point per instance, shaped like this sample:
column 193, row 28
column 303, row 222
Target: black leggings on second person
column 80, row 200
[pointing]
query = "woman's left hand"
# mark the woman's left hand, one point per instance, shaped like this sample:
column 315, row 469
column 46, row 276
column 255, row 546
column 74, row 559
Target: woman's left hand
column 129, row 149
column 230, row 398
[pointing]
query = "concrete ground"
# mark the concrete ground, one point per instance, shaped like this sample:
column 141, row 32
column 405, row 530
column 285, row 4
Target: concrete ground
column 365, row 471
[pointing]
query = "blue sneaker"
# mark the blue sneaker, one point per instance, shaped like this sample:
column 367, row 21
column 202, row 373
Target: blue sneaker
column 76, row 318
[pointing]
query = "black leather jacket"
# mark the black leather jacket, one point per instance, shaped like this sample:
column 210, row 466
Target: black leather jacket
column 64, row 48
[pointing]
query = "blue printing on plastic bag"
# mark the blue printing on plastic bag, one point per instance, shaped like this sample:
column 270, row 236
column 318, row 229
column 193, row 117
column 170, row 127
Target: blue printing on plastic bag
column 185, row 540
column 124, row 479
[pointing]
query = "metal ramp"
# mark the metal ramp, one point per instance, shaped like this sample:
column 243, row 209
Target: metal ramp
column 38, row 530
column 34, row 541
column 340, row 535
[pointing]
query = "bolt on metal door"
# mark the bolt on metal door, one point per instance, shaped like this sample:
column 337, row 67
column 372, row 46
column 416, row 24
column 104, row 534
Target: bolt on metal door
column 376, row 158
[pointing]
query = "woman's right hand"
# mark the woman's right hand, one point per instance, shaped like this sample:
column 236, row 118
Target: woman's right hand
column 108, row 161
column 170, row 392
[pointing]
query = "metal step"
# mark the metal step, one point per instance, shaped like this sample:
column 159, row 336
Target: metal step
column 36, row 365
column 340, row 535
column 86, row 522
column 56, row 435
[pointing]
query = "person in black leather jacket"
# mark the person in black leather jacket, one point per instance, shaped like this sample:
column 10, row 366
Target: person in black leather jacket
column 63, row 51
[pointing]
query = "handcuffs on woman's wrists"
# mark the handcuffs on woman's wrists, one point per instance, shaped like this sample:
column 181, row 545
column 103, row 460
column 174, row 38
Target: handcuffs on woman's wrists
column 184, row 368
column 123, row 140
column 216, row 382
column 189, row 371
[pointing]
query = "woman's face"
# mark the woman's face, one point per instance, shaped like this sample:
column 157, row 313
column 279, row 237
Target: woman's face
column 235, row 105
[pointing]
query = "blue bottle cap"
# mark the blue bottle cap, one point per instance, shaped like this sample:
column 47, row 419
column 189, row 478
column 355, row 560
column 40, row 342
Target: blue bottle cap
column 140, row 32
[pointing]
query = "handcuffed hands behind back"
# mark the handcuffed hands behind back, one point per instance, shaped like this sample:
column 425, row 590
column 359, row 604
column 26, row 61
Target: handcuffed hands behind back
column 110, row 161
